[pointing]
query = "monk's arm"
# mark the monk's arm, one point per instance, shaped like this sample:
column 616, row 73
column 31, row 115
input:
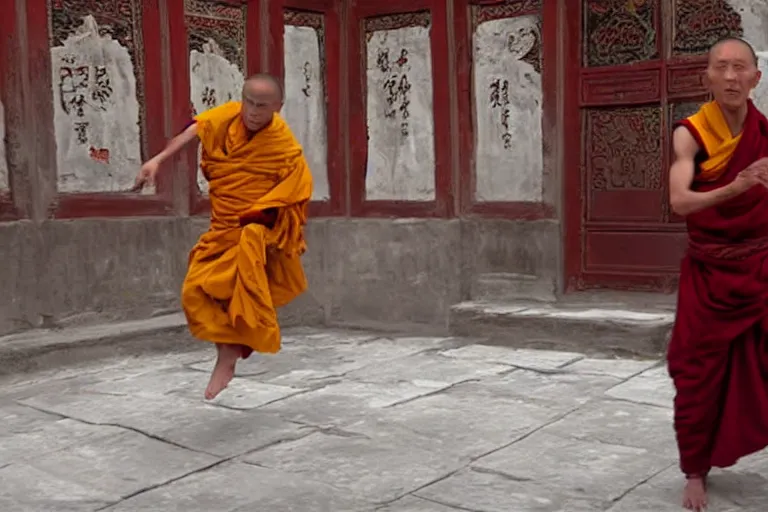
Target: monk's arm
column 683, row 200
column 176, row 144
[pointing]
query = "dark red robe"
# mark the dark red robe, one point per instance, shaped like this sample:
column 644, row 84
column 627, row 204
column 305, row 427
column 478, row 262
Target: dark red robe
column 718, row 355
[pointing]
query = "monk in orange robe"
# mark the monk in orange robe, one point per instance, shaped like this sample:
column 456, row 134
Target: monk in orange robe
column 248, row 263
column 718, row 354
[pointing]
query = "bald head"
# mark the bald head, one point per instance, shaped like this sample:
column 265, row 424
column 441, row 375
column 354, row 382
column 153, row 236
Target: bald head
column 716, row 48
column 263, row 83
column 262, row 98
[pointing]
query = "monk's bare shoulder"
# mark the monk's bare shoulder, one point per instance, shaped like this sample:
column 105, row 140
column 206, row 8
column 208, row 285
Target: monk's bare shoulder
column 684, row 143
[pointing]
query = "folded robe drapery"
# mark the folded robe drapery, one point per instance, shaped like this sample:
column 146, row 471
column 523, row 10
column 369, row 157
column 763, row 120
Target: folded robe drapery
column 718, row 354
column 248, row 263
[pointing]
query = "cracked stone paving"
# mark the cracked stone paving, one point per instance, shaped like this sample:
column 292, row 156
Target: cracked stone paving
column 348, row 421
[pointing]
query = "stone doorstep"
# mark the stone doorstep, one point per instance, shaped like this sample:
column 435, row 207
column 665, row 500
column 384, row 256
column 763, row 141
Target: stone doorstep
column 42, row 349
column 623, row 330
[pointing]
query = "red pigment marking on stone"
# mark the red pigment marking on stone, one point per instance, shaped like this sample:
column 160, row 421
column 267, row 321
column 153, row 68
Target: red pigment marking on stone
column 100, row 155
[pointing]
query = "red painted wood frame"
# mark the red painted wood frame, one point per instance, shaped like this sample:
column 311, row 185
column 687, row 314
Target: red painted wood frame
column 443, row 205
column 180, row 85
column 466, row 95
column 626, row 239
column 329, row 12
column 120, row 204
column 10, row 93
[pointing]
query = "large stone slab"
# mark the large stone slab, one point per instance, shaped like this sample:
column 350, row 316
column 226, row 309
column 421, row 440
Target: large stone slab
column 46, row 438
column 560, row 391
column 241, row 393
column 17, row 419
column 347, row 401
column 122, row 464
column 24, row 488
column 618, row 368
column 311, row 363
column 429, row 369
column 466, row 420
column 492, row 492
column 544, row 360
column 197, row 426
column 593, row 328
column 652, row 387
column 575, row 468
column 379, row 469
column 242, row 487
column 621, row 423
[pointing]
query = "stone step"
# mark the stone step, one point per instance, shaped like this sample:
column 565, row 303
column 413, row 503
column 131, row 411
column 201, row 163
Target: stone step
column 609, row 329
column 505, row 286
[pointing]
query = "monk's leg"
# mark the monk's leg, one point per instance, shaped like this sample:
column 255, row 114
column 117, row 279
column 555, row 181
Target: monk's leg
column 699, row 373
column 224, row 370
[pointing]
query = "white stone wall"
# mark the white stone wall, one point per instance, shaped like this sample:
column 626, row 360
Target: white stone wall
column 754, row 20
column 96, row 113
column 3, row 159
column 508, row 99
column 213, row 81
column 305, row 109
column 760, row 94
column 401, row 147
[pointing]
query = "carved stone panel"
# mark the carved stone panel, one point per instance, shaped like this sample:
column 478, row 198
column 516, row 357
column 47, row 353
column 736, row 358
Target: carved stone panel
column 305, row 81
column 400, row 119
column 97, row 96
column 623, row 148
column 217, row 61
column 508, row 109
column 620, row 32
column 698, row 24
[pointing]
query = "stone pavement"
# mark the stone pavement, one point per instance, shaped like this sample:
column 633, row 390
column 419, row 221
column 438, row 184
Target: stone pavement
column 353, row 422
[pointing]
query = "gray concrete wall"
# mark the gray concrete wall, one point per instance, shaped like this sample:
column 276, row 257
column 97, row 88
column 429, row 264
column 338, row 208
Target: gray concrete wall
column 361, row 271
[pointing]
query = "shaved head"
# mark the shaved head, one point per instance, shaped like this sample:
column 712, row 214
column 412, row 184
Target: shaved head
column 733, row 40
column 264, row 80
column 262, row 98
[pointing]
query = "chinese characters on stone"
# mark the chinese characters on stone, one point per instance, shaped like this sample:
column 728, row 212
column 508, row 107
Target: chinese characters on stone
column 499, row 99
column 82, row 87
column 397, row 87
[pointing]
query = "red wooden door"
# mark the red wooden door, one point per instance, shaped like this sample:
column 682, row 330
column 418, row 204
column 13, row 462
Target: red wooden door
column 640, row 65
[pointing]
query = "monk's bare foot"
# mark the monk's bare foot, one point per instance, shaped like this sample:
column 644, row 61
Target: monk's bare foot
column 224, row 370
column 695, row 494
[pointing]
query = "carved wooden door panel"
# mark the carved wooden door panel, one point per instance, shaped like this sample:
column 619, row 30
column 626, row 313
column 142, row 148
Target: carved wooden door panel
column 640, row 70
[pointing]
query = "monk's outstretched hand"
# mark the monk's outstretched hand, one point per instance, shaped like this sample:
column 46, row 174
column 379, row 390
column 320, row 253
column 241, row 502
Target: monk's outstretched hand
column 146, row 176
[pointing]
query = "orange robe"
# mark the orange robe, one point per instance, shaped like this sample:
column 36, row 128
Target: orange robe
column 718, row 354
column 248, row 263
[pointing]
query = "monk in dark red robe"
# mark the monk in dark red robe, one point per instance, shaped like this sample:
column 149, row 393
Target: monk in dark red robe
column 718, row 355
